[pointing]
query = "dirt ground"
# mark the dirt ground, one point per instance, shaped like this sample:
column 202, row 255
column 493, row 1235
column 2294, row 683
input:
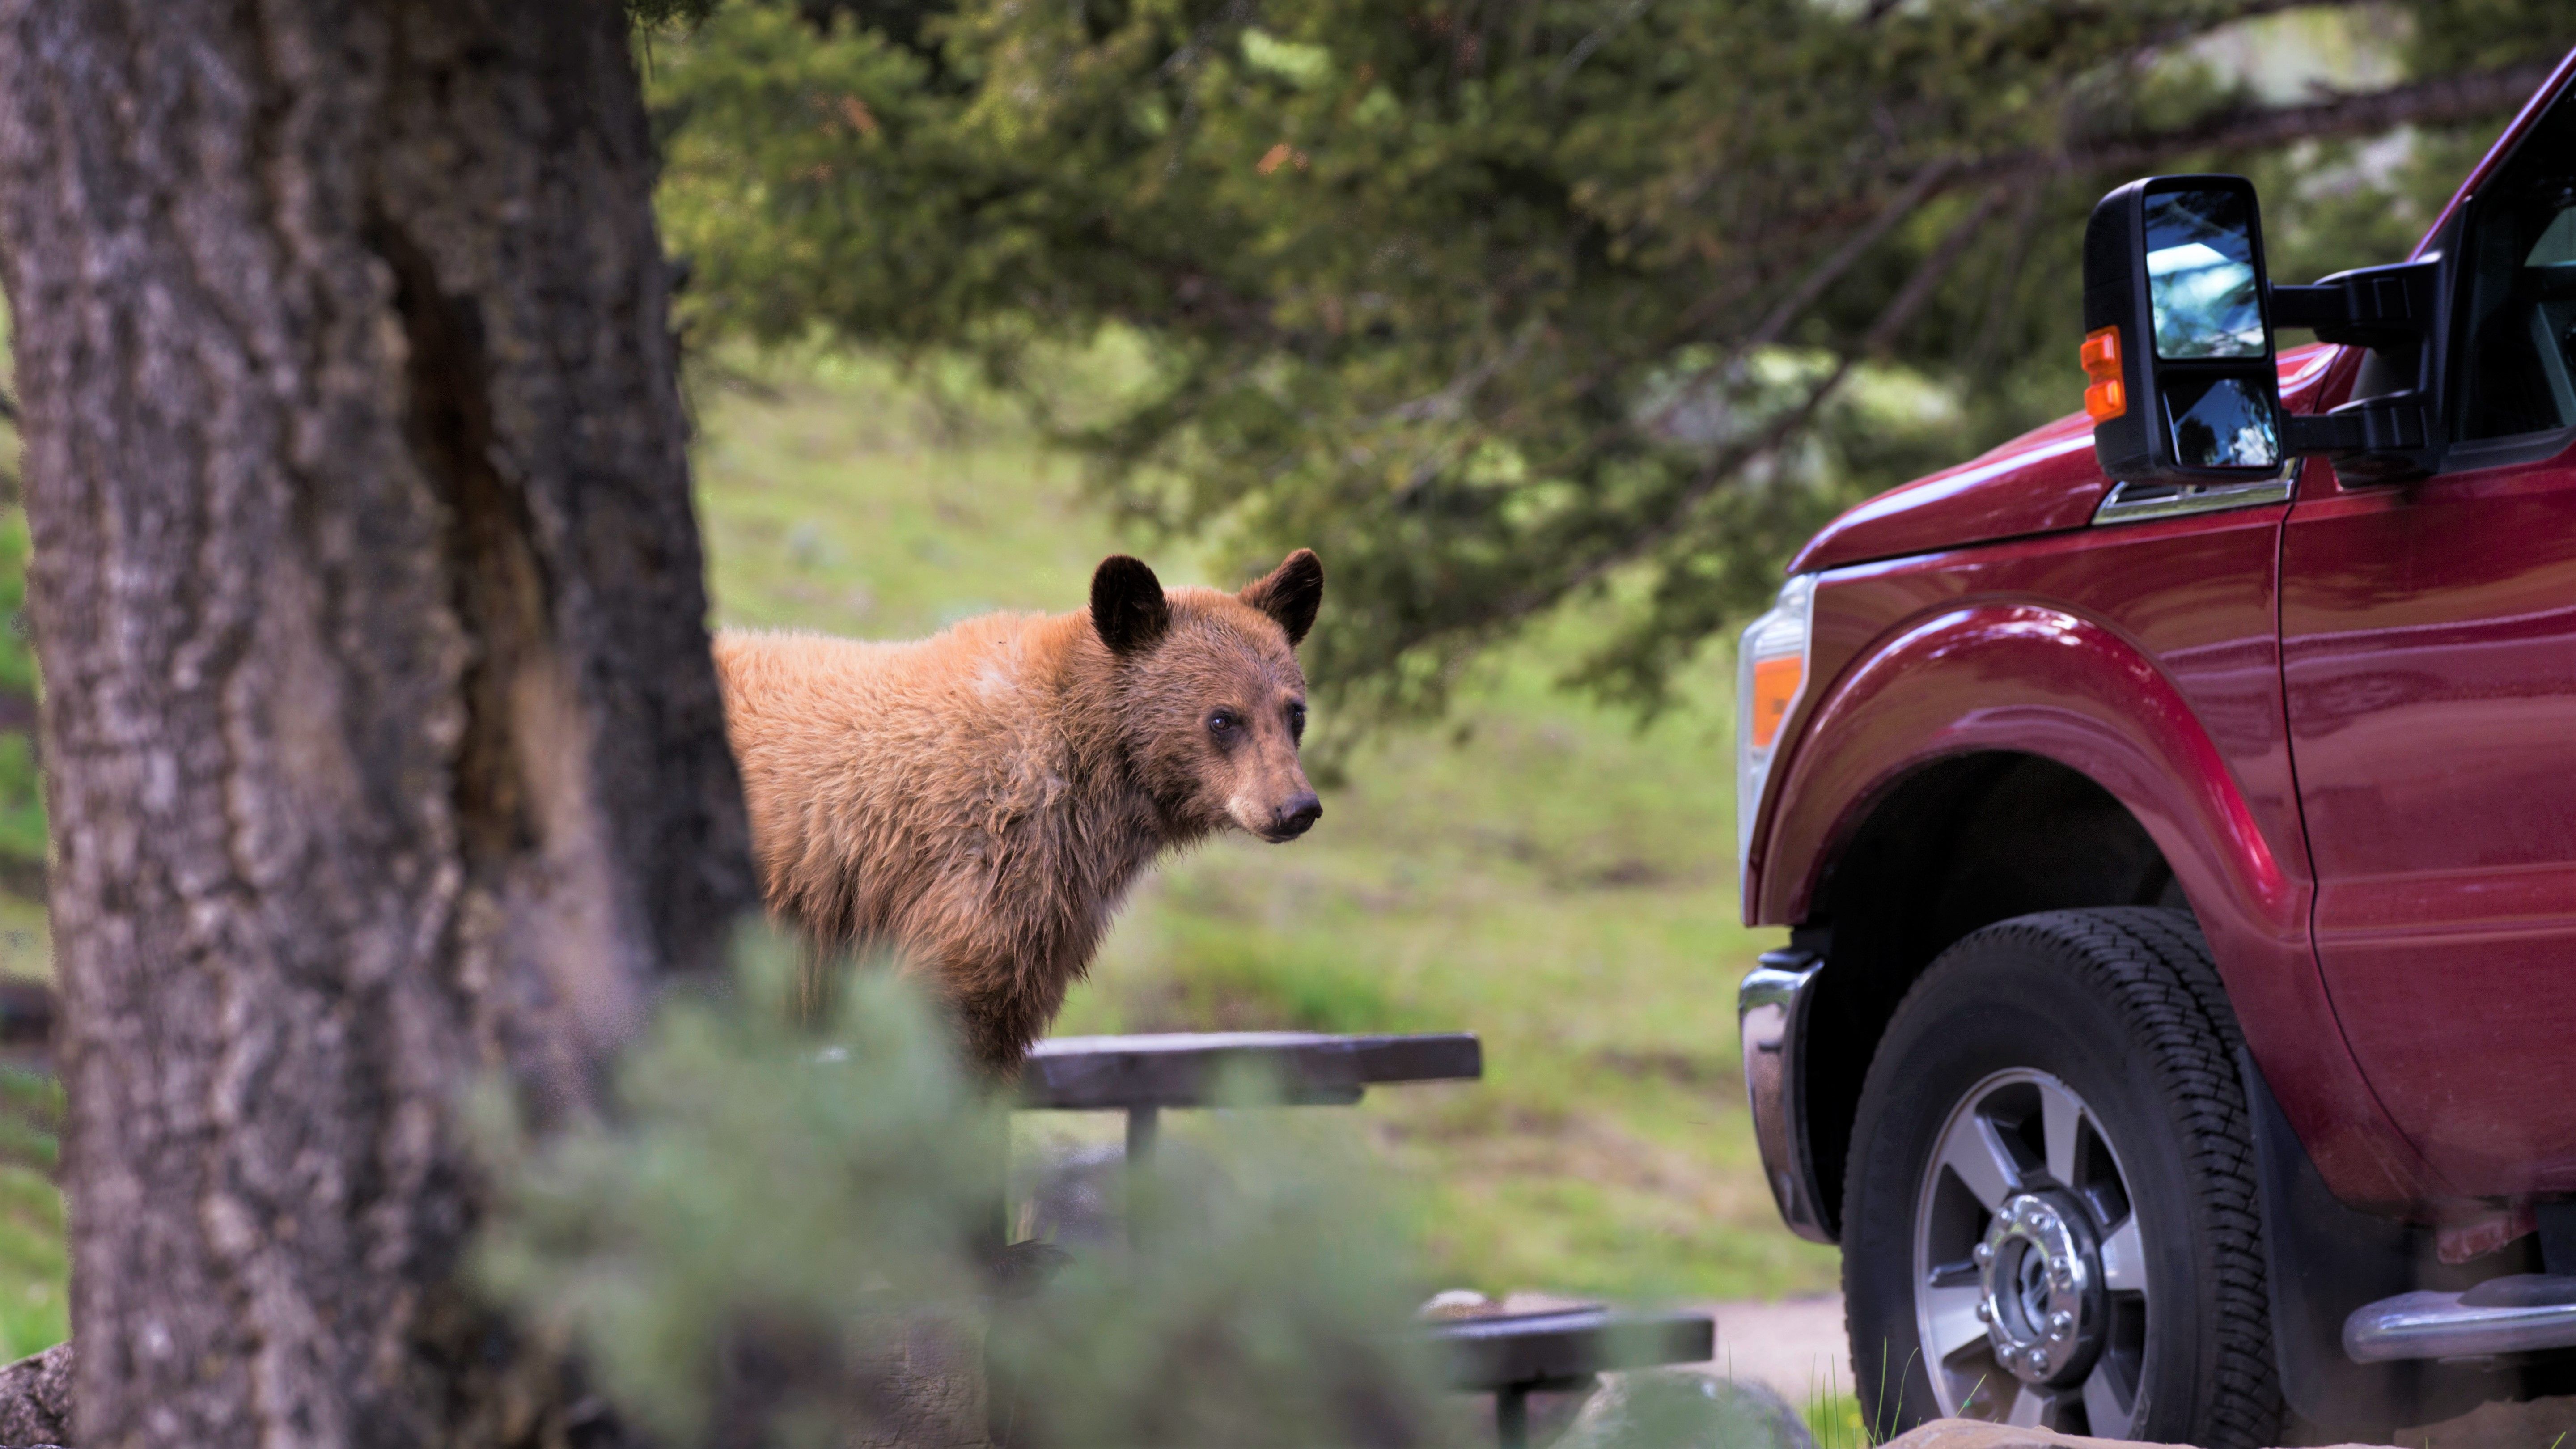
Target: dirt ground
column 1796, row 1348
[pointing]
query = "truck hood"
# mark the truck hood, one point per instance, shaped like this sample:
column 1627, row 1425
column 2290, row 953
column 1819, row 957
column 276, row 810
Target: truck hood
column 2041, row 482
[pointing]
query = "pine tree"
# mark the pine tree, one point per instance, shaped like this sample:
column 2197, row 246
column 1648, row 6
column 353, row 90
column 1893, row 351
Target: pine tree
column 1497, row 302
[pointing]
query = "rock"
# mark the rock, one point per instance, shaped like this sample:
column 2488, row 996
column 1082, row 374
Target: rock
column 1684, row 1409
column 36, row 1399
column 1977, row 1434
column 1074, row 1197
column 1452, row 1304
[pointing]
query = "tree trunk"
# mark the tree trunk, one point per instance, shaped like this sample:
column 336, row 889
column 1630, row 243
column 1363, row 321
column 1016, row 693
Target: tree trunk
column 385, row 748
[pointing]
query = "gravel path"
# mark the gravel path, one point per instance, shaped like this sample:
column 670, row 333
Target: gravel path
column 1794, row 1346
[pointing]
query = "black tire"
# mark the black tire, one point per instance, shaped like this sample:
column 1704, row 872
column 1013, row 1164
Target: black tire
column 2120, row 1012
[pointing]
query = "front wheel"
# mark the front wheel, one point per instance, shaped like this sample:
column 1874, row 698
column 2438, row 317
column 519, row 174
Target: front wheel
column 2050, row 1216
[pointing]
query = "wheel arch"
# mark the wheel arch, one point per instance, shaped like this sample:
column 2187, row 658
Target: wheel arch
column 1965, row 726
column 1957, row 844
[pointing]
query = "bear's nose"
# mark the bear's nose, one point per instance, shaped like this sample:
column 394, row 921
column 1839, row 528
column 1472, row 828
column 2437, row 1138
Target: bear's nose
column 1297, row 816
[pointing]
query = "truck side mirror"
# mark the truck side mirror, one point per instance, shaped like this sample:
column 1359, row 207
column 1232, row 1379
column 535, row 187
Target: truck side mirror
column 2177, row 340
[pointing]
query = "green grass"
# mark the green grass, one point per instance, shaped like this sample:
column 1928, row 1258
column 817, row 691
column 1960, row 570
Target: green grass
column 1536, row 870
column 1835, row 1421
column 26, row 942
column 35, row 1271
column 35, row 1274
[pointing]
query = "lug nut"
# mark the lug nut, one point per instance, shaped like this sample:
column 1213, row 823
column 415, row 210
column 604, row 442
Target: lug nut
column 2060, row 1324
column 1985, row 1254
column 1985, row 1311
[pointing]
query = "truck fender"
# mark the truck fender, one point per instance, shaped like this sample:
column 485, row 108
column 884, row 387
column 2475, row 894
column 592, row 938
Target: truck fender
column 2030, row 679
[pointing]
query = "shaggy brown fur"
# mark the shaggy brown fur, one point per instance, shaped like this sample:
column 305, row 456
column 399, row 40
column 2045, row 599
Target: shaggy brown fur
column 982, row 800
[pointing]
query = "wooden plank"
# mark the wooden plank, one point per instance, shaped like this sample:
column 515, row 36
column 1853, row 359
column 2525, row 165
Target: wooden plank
column 1185, row 1069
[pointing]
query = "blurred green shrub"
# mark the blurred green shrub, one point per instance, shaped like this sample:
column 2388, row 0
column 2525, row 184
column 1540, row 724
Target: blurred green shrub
column 1268, row 1306
column 771, row 1194
column 781, row 1219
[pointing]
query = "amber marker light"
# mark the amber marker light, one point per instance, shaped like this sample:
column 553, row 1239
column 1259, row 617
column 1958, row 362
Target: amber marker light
column 1770, row 675
column 2107, row 398
column 1775, row 688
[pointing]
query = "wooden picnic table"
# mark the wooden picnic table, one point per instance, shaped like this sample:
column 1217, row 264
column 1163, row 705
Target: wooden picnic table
column 1142, row 1075
column 1509, row 1356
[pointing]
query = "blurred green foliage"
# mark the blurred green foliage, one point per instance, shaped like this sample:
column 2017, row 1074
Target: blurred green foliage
column 765, row 1185
column 1499, row 303
column 1268, row 1306
column 652, row 15
column 777, row 1213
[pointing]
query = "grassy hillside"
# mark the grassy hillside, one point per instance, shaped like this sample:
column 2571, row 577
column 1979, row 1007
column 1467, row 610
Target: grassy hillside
column 1538, row 871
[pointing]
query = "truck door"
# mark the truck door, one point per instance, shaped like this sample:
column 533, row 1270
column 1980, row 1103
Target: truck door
column 2428, row 633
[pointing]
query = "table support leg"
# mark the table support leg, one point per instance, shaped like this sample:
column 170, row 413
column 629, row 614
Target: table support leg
column 1511, row 1418
column 1142, row 1124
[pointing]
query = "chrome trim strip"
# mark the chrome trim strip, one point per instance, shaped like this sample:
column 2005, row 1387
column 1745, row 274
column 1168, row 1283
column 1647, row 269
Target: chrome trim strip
column 2439, row 1325
column 2137, row 502
column 1771, row 1013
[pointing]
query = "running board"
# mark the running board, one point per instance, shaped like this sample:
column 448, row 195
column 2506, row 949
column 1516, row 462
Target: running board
column 2523, row 1313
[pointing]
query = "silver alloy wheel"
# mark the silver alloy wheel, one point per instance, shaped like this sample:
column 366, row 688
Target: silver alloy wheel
column 2030, row 1273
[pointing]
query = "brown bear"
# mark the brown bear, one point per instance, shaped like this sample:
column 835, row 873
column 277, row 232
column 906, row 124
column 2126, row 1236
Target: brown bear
column 981, row 801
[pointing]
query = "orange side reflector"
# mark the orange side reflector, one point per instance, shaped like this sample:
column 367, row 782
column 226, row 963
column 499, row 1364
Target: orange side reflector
column 2106, row 398
column 2102, row 353
column 1775, row 685
column 2104, row 401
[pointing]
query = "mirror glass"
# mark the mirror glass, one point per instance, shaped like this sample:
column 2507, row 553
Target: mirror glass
column 2200, row 275
column 2222, row 422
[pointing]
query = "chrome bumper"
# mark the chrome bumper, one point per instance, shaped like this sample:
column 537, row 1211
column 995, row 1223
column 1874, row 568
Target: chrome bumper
column 1771, row 1011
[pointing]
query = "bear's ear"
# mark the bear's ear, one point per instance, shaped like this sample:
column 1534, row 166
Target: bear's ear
column 1127, row 605
column 1290, row 593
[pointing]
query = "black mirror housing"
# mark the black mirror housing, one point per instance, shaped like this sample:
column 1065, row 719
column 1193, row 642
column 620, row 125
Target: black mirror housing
column 2176, row 314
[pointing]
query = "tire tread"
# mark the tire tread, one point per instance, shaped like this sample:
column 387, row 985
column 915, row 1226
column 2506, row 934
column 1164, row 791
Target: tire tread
column 2153, row 966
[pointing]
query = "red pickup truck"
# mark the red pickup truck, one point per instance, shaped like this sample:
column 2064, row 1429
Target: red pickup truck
column 2174, row 814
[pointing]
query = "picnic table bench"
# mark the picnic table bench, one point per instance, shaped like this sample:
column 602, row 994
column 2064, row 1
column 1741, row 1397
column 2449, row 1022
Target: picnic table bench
column 1509, row 1356
column 1512, row 1356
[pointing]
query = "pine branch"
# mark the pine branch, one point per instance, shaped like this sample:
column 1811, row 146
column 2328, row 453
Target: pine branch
column 1804, row 295
column 1717, row 471
column 2445, row 100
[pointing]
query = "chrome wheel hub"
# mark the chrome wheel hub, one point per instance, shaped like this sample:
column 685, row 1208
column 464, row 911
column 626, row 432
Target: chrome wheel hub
column 2037, row 1269
column 2030, row 1263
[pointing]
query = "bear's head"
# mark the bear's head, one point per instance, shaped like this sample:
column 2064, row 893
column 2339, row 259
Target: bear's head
column 1210, row 701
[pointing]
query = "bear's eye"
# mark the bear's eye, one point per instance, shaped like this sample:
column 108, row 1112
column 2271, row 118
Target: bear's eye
column 1223, row 724
column 1297, row 722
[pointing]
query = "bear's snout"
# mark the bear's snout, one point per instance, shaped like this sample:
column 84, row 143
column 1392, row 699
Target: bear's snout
column 1295, row 816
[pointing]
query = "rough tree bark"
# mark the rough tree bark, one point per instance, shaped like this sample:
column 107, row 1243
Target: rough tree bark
column 385, row 748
